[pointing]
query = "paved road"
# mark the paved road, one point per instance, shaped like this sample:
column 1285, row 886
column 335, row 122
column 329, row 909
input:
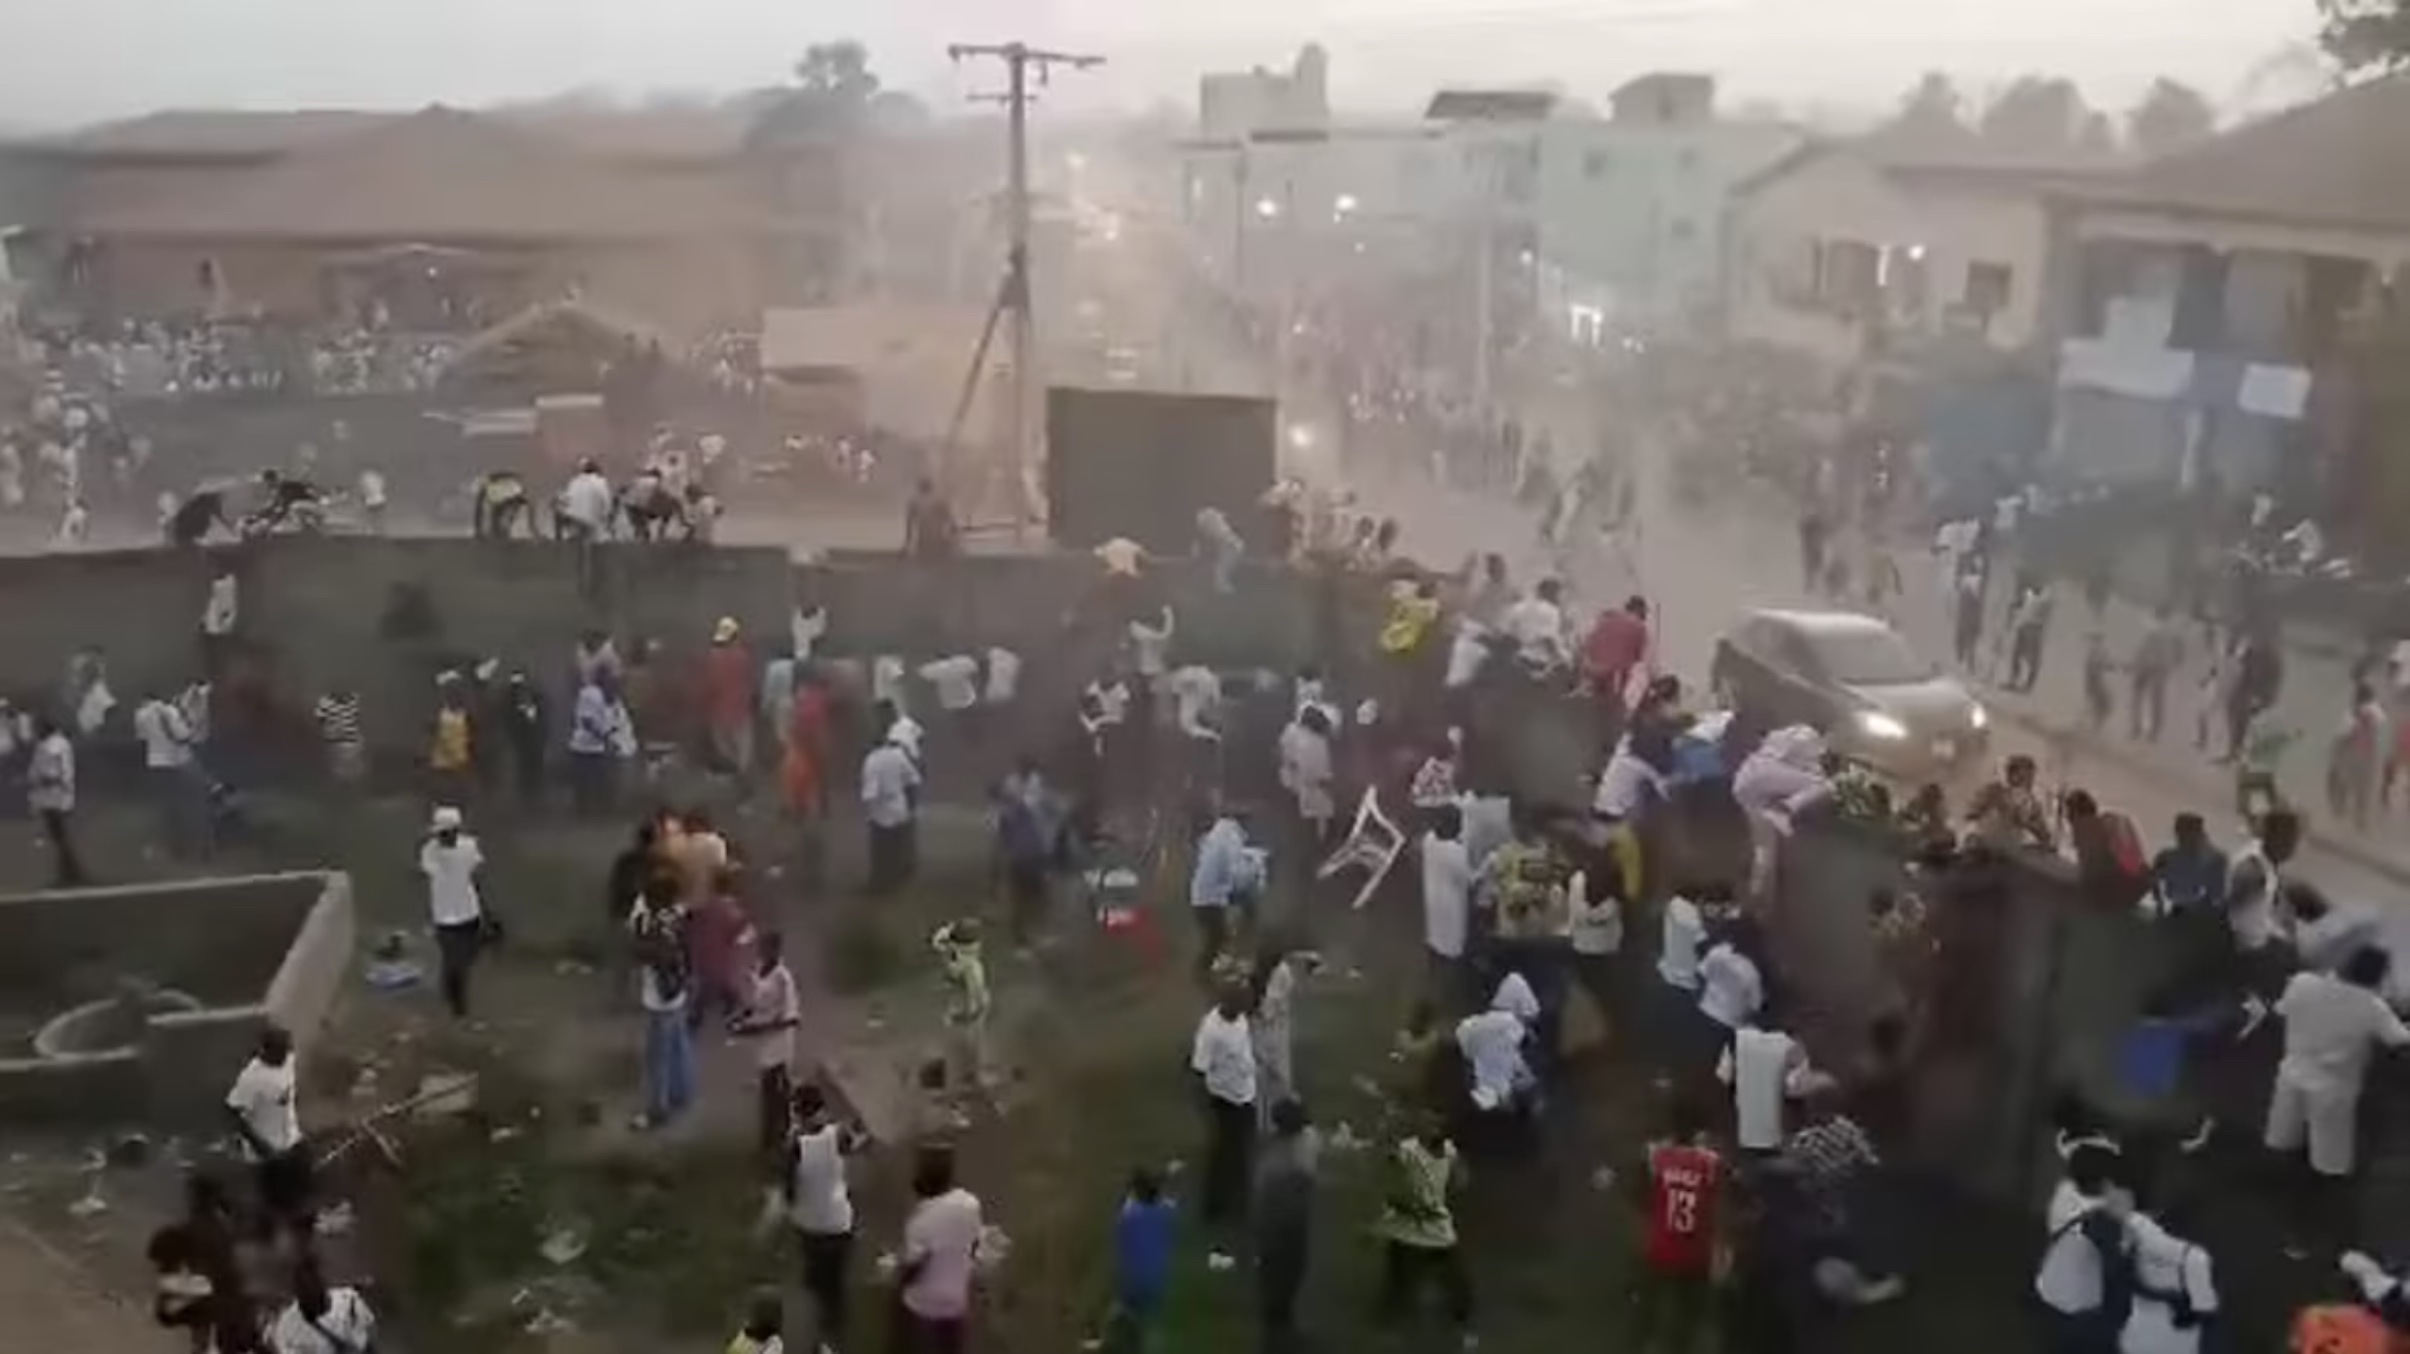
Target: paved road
column 1702, row 570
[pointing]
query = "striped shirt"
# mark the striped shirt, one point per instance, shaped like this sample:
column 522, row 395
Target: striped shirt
column 339, row 720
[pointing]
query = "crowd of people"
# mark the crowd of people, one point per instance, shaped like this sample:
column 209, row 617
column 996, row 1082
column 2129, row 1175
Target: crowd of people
column 1772, row 1184
column 1772, row 1193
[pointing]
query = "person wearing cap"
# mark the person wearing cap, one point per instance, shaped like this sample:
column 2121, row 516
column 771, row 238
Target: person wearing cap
column 452, row 863
column 728, row 698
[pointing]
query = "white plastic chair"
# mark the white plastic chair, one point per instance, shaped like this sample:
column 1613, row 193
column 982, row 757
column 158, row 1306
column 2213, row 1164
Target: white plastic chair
column 1373, row 843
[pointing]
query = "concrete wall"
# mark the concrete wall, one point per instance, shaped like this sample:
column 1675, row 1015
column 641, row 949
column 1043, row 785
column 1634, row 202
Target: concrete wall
column 252, row 950
column 2034, row 991
column 316, row 611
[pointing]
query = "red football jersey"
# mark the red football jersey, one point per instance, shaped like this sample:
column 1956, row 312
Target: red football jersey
column 1683, row 1184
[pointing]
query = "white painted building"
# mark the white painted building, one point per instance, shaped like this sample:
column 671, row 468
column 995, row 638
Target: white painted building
column 1629, row 208
column 1847, row 250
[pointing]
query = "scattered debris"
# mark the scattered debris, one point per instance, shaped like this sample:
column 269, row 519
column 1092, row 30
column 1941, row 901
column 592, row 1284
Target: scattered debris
column 89, row 1206
column 1220, row 1262
column 441, row 1095
column 564, row 1243
column 336, row 1220
column 129, row 1152
column 1603, row 1179
column 994, row 1248
column 1344, row 1139
column 393, row 975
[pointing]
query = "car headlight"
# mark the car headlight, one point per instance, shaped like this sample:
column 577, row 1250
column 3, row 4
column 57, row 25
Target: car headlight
column 1979, row 717
column 1876, row 724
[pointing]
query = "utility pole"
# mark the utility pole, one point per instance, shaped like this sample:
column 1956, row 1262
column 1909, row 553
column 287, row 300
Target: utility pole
column 1019, row 60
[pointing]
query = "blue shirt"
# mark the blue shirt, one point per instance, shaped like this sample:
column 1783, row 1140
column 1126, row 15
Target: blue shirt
column 1225, row 867
column 1142, row 1252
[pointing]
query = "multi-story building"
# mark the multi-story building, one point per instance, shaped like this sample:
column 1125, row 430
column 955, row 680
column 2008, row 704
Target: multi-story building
column 1629, row 209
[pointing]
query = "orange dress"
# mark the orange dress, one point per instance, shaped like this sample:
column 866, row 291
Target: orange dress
column 801, row 771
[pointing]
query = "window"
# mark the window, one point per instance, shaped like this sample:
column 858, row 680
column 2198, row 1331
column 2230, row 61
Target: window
column 1848, row 275
column 1596, row 163
column 1865, row 656
column 1987, row 287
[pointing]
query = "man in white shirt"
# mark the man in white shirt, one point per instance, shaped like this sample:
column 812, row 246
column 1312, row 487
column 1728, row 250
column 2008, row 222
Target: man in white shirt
column 322, row 1319
column 50, row 793
column 1228, row 873
column 773, row 1008
column 899, row 727
column 1766, row 1068
column 2175, row 1294
column 221, row 611
column 373, row 500
column 1627, row 785
column 890, row 806
column 1150, row 648
column 1003, row 678
column 1492, row 1042
column 1306, row 772
column 820, row 1208
column 1468, row 650
column 2083, row 1224
column 1536, row 625
column 955, row 678
column 940, row 1255
column 175, row 778
column 602, row 738
column 1731, row 989
column 263, row 1106
column 451, row 862
column 2332, row 1022
column 1447, row 896
column 805, row 625
column 1223, row 1057
column 1681, row 932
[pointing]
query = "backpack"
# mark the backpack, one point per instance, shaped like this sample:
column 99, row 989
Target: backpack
column 2118, row 1283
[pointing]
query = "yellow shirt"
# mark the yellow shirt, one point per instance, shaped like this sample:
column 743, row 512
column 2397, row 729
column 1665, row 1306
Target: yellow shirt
column 450, row 750
column 1410, row 618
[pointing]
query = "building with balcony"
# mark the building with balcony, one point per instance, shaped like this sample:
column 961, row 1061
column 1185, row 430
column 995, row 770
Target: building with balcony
column 2220, row 298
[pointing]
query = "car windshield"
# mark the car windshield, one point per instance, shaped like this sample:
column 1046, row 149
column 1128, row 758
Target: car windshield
column 1866, row 657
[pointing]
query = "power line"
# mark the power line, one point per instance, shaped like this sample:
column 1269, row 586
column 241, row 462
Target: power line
column 1013, row 294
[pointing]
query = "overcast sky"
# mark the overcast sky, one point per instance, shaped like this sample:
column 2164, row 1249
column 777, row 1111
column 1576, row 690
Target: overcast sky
column 72, row 60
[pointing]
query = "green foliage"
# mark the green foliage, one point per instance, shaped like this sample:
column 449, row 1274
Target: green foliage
column 2365, row 35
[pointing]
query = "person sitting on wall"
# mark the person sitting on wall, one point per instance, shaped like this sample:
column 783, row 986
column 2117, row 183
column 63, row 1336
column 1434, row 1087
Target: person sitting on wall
column 647, row 505
column 291, row 499
column 190, row 522
column 502, row 506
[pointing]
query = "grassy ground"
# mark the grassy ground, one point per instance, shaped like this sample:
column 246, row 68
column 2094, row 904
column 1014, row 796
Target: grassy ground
column 1095, row 1030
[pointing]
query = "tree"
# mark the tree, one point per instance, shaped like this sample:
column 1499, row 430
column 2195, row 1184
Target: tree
column 838, row 72
column 1933, row 108
column 2037, row 113
column 832, row 97
column 2170, row 116
column 2365, row 35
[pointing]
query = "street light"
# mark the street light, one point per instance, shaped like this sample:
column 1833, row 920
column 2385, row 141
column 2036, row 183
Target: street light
column 1266, row 208
column 1345, row 204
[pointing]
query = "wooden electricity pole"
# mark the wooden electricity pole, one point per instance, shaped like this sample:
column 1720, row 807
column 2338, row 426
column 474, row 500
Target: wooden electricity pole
column 1013, row 294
